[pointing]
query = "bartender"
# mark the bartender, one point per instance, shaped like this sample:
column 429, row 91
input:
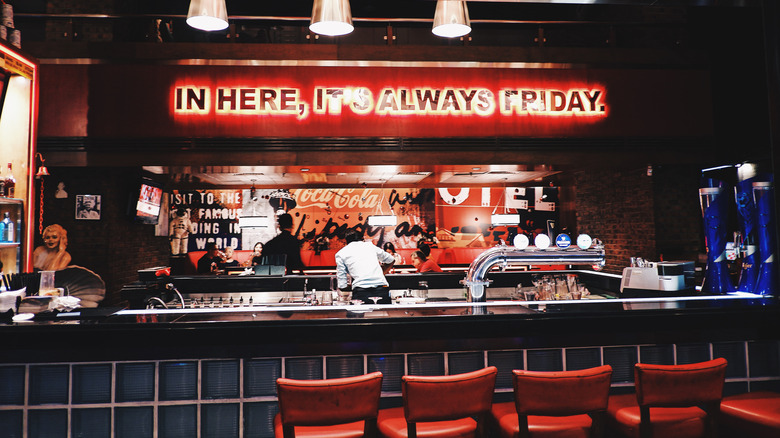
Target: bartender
column 367, row 264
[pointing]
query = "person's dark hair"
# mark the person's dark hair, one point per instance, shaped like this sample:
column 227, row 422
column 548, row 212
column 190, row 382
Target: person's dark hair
column 353, row 236
column 285, row 221
column 421, row 255
column 210, row 246
column 390, row 246
column 425, row 248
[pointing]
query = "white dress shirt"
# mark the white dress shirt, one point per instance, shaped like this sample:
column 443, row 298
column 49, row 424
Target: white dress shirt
column 361, row 261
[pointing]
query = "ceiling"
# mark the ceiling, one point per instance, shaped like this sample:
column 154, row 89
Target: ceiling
column 495, row 23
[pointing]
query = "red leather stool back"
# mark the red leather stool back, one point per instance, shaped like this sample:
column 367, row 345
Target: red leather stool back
column 437, row 398
column 562, row 393
column 680, row 385
column 671, row 401
column 329, row 402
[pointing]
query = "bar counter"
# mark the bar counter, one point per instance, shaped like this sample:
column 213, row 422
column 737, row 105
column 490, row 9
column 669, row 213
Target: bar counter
column 213, row 368
column 211, row 327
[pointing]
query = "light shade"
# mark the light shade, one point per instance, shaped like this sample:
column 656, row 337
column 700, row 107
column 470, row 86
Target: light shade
column 383, row 220
column 331, row 17
column 208, row 15
column 505, row 219
column 451, row 19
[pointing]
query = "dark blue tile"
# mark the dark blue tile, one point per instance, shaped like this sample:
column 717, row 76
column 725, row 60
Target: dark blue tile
column 91, row 423
column 505, row 362
column 219, row 420
column 49, row 384
column 260, row 377
column 177, row 421
column 179, row 381
column 622, row 360
column 344, row 366
column 391, row 367
column 91, row 384
column 303, row 368
column 545, row 360
column 135, row 382
column 12, row 385
column 460, row 363
column 48, row 423
column 259, row 419
column 134, row 422
column 426, row 364
column 220, row 379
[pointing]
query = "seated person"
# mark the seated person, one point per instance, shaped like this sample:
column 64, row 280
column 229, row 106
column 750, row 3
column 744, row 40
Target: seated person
column 257, row 255
column 209, row 263
column 228, row 261
column 423, row 263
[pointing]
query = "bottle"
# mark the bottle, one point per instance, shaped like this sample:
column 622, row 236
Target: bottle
column 9, row 182
column 2, row 230
column 8, row 228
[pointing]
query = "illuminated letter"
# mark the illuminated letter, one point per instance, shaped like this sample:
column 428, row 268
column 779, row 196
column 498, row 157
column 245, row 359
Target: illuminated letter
column 575, row 101
column 226, row 95
column 288, row 97
column 450, row 100
column 267, row 100
column 528, row 96
column 424, row 98
column 361, row 100
column 335, row 102
column 558, row 100
column 468, row 98
column 405, row 105
column 509, row 101
column 485, row 104
column 387, row 102
column 247, row 99
column 592, row 99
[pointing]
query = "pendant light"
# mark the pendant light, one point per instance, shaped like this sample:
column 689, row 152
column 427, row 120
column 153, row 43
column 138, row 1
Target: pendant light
column 451, row 19
column 208, row 15
column 331, row 17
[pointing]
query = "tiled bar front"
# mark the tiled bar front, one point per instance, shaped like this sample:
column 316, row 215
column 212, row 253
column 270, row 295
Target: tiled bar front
column 236, row 397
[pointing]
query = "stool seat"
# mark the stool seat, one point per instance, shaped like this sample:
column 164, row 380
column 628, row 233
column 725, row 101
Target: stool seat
column 754, row 413
column 623, row 411
column 392, row 423
column 349, row 430
column 572, row 426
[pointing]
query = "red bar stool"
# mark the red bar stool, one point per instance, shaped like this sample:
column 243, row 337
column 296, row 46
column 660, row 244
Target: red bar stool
column 671, row 401
column 567, row 404
column 754, row 414
column 441, row 406
column 333, row 408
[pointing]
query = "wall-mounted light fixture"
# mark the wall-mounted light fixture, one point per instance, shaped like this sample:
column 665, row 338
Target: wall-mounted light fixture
column 331, row 17
column 451, row 19
column 208, row 15
column 505, row 219
column 383, row 220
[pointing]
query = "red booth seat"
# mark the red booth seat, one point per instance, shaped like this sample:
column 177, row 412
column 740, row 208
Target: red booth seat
column 754, row 414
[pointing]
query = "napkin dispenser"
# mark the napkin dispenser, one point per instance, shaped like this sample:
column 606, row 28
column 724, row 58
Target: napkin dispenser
column 658, row 276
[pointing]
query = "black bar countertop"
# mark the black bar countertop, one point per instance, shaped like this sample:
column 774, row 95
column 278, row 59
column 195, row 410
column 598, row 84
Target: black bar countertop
column 292, row 329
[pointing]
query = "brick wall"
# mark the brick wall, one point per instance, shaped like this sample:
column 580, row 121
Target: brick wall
column 114, row 247
column 637, row 215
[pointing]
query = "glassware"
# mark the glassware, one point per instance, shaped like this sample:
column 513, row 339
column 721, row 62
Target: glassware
column 375, row 299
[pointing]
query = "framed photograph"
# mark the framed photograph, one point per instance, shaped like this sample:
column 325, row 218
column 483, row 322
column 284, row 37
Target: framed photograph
column 88, row 207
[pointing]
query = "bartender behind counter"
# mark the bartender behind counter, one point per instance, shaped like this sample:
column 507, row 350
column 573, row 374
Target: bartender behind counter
column 367, row 264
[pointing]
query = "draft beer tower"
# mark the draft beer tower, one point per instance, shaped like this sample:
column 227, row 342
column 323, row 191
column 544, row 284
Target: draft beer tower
column 714, row 201
column 743, row 195
column 763, row 194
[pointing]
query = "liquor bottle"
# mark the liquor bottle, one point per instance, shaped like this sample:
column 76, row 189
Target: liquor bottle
column 10, row 182
column 2, row 230
column 8, row 228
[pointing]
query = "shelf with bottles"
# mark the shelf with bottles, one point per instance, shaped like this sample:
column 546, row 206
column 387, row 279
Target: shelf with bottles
column 11, row 214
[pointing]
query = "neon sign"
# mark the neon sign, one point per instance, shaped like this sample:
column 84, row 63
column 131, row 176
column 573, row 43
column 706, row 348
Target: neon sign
column 390, row 101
